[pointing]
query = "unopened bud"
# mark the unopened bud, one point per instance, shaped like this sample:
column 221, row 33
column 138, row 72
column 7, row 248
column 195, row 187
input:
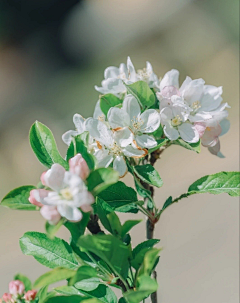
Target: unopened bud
column 78, row 166
column 30, row 295
column 16, row 287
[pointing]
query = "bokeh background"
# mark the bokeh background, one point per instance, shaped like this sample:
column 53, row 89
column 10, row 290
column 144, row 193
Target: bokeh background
column 53, row 52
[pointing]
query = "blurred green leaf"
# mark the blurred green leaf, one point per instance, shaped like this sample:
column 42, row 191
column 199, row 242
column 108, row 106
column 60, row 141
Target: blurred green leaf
column 26, row 281
column 107, row 101
column 148, row 174
column 142, row 92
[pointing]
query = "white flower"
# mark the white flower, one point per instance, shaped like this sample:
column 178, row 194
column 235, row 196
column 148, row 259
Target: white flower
column 174, row 118
column 112, row 146
column 116, row 77
column 98, row 114
column 135, row 125
column 67, row 192
column 79, row 123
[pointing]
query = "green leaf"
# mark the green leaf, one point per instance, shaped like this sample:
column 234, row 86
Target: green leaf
column 142, row 92
column 100, row 179
column 85, row 278
column 149, row 261
column 110, row 249
column 148, row 174
column 53, row 276
column 160, row 143
column 146, row 286
column 67, row 299
column 115, row 224
column 140, row 250
column 107, row 101
column 102, row 209
column 44, row 145
column 103, row 293
column 18, row 198
column 168, row 202
column 77, row 146
column 49, row 252
column 42, row 294
column 51, row 230
column 128, row 225
column 27, row 283
column 120, row 197
column 223, row 182
column 191, row 146
column 94, row 300
column 68, row 290
column 77, row 229
column 158, row 134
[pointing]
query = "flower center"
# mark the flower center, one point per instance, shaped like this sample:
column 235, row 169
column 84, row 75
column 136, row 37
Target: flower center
column 66, row 194
column 143, row 74
column 196, row 105
column 176, row 121
column 136, row 124
column 115, row 150
column 101, row 118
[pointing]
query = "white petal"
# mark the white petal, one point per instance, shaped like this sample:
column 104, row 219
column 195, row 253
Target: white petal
column 111, row 72
column 123, row 137
column 67, row 137
column 151, row 121
column 211, row 98
column 105, row 161
column 98, row 112
column 118, row 117
column 210, row 137
column 70, row 213
column 170, row 132
column 188, row 133
column 54, row 177
column 131, row 70
column 119, row 164
column 131, row 106
column 51, row 214
column 170, row 79
column 166, row 115
column 225, row 126
column 99, row 131
column 79, row 123
column 185, row 84
column 146, row 141
column 193, row 91
column 215, row 150
column 113, row 86
column 130, row 151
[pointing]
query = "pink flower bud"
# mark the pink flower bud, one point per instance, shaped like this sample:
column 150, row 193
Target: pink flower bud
column 200, row 127
column 16, row 287
column 7, row 298
column 42, row 178
column 51, row 214
column 79, row 166
column 30, row 295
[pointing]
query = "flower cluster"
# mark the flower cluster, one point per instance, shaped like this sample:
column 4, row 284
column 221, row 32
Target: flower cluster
column 17, row 293
column 191, row 112
column 64, row 193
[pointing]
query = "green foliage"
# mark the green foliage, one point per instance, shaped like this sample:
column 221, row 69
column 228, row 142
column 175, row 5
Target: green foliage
column 148, row 174
column 107, row 101
column 128, row 225
column 49, row 252
column 160, row 143
column 110, row 249
column 141, row 91
column 53, row 276
column 78, row 146
column 66, row 299
column 120, row 197
column 146, row 286
column 43, row 295
column 44, row 145
column 140, row 251
column 191, row 146
column 86, row 278
column 150, row 258
column 100, row 179
column 223, row 182
column 51, row 230
column 18, row 198
column 27, row 283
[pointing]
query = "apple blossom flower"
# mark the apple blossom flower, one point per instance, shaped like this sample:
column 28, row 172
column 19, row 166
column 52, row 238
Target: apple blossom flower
column 137, row 126
column 98, row 114
column 7, row 298
column 174, row 119
column 79, row 123
column 112, row 146
column 30, row 295
column 16, row 287
column 67, row 192
column 115, row 78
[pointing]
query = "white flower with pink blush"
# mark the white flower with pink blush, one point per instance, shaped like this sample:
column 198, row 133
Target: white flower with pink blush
column 79, row 123
column 68, row 192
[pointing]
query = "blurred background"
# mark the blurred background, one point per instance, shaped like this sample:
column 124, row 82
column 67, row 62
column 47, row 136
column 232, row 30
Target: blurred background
column 53, row 52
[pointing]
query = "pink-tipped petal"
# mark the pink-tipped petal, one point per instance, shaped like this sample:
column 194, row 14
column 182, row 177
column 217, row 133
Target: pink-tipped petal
column 200, row 127
column 16, row 287
column 37, row 196
column 42, row 178
column 78, row 166
column 86, row 208
column 30, row 295
column 51, row 214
